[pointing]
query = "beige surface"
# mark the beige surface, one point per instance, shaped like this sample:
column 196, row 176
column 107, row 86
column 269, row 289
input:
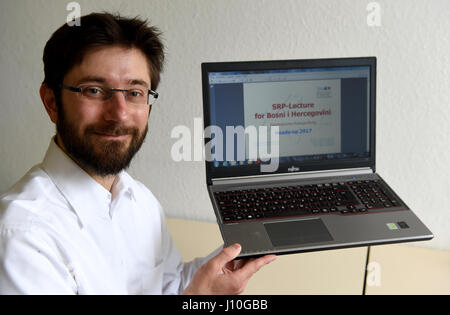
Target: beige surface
column 328, row 272
column 406, row 269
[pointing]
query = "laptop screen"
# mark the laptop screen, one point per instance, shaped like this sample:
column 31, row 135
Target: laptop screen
column 311, row 113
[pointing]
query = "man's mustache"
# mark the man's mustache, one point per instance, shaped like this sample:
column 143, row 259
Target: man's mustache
column 112, row 130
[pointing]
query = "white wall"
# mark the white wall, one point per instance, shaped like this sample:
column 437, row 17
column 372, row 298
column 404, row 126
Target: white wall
column 412, row 46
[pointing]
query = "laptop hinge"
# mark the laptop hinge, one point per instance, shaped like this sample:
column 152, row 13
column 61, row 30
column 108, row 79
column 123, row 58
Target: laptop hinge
column 291, row 176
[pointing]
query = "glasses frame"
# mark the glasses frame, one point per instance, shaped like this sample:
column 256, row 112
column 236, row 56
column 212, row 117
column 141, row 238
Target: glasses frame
column 151, row 93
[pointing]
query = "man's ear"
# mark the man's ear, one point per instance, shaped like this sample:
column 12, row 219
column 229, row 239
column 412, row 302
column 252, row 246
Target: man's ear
column 49, row 101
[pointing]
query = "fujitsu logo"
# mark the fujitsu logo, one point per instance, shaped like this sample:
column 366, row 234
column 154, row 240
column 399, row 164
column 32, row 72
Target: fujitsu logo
column 293, row 169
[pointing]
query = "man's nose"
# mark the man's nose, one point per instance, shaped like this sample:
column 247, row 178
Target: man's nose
column 116, row 108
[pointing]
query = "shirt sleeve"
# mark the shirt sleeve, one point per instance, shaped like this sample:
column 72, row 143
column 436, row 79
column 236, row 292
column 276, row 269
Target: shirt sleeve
column 30, row 265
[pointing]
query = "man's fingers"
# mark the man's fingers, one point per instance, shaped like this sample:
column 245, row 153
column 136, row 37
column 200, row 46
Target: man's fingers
column 222, row 275
column 254, row 265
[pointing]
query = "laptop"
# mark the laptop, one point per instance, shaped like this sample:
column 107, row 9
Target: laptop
column 290, row 157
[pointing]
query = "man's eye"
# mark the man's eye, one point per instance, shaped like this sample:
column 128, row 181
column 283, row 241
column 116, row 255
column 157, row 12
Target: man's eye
column 93, row 91
column 135, row 93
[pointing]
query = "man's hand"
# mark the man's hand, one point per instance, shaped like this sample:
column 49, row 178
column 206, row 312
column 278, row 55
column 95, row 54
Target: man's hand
column 222, row 275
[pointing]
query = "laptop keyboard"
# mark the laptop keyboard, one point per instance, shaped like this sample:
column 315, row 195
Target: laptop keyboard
column 343, row 198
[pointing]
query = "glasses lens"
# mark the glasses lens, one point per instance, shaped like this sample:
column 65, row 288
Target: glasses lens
column 136, row 97
column 96, row 93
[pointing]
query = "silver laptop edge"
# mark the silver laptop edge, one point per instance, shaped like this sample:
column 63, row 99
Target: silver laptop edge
column 291, row 176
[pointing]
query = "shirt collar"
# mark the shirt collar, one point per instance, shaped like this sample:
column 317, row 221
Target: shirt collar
column 123, row 185
column 88, row 198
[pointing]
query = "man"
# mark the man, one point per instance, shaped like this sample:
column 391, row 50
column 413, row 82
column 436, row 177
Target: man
column 78, row 223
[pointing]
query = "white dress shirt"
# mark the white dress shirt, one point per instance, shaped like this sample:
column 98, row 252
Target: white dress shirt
column 63, row 233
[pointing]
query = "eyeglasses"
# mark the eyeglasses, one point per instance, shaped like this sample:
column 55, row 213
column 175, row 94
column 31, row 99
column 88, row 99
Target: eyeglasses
column 100, row 94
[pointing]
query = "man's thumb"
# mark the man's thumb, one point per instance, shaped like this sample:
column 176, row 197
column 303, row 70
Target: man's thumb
column 226, row 255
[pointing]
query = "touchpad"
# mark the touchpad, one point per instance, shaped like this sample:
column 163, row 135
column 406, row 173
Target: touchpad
column 297, row 232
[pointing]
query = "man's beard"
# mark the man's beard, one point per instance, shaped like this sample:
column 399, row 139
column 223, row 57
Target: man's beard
column 102, row 157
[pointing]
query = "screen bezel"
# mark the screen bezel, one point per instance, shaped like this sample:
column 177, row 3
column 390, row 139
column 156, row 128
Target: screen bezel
column 322, row 165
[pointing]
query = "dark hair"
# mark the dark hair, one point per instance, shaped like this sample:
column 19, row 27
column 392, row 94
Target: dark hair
column 68, row 45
